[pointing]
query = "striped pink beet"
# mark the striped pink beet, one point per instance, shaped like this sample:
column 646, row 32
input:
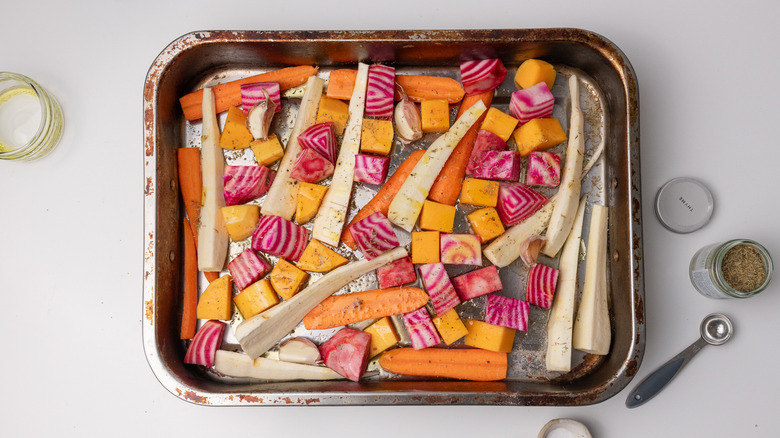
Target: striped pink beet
column 322, row 138
column 397, row 273
column 246, row 183
column 277, row 236
column 247, row 268
column 205, row 344
column 379, row 92
column 374, row 235
column 507, row 312
column 541, row 285
column 486, row 141
column 311, row 167
column 253, row 93
column 499, row 165
column 347, row 352
column 534, row 102
column 517, row 202
column 371, row 169
column 439, row 287
column 461, row 249
column 421, row 330
column 481, row 75
column 544, row 169
column 477, row 283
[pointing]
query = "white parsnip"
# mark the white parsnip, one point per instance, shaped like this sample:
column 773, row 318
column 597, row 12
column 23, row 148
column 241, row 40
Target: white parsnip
column 330, row 219
column 507, row 247
column 407, row 203
column 559, row 327
column 234, row 364
column 571, row 183
column 283, row 194
column 261, row 332
column 212, row 234
column 592, row 333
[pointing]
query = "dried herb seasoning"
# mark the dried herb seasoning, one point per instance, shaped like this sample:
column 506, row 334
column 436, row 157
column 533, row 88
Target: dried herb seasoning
column 743, row 268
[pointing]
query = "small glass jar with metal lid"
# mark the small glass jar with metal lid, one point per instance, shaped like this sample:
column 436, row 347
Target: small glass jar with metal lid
column 738, row 268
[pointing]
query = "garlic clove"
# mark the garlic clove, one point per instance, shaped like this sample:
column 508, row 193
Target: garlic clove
column 529, row 249
column 259, row 117
column 299, row 350
column 408, row 123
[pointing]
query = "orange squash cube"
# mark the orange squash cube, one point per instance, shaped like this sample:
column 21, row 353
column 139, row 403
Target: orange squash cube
column 435, row 115
column 538, row 135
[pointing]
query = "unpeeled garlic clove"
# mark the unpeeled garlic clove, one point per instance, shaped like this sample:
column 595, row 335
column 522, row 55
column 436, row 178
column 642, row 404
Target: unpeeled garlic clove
column 299, row 350
column 408, row 123
column 259, row 117
column 529, row 249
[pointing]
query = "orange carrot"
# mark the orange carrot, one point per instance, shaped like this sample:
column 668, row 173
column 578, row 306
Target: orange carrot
column 420, row 88
column 211, row 276
column 455, row 363
column 381, row 201
column 338, row 310
column 446, row 188
column 229, row 93
column 340, row 83
column 189, row 319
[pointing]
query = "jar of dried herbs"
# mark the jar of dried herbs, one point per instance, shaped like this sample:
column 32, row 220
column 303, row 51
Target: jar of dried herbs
column 738, row 268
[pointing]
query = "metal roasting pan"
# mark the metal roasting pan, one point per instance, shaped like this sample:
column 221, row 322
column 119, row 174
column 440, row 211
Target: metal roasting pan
column 609, row 96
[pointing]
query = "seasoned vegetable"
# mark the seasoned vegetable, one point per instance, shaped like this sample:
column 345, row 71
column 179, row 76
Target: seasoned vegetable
column 189, row 320
column 421, row 330
column 544, row 169
column 241, row 365
column 345, row 309
column 499, row 165
column 481, row 75
column 507, row 312
column 255, row 92
column 347, row 353
column 299, row 350
column 380, row 88
column 398, row 273
column 541, row 285
column 205, row 344
column 246, row 183
column 517, row 202
column 477, row 283
column 461, row 363
column 311, row 167
column 535, row 102
column 247, row 268
column 322, row 138
column 374, row 235
column 485, row 141
column 439, row 287
column 371, row 169
column 319, row 258
column 461, row 249
column 277, row 236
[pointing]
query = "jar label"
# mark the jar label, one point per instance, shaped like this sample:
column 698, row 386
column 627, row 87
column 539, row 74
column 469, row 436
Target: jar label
column 700, row 275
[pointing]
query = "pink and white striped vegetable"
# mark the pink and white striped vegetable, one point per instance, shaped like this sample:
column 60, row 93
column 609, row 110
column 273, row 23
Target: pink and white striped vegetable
column 499, row 165
column 481, row 75
column 486, row 141
column 534, row 102
column 544, row 169
column 517, row 202
column 461, row 249
column 205, row 344
column 374, row 235
column 507, row 312
column 421, row 330
column 253, row 93
column 541, row 285
column 397, row 273
column 477, row 283
column 371, row 169
column 245, row 183
column 322, row 138
column 379, row 92
column 277, row 236
column 311, row 167
column 247, row 268
column 347, row 353
column 439, row 287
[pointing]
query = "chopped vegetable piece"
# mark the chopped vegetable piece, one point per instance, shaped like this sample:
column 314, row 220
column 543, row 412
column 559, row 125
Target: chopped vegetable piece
column 215, row 301
column 319, row 258
column 379, row 92
column 481, row 75
column 517, row 202
column 247, row 268
column 376, row 136
column 507, row 312
column 479, row 192
column 189, row 320
column 309, row 200
column 259, row 118
column 341, row 82
column 538, row 135
column 425, row 247
column 374, row 235
column 437, row 217
column 435, row 115
column 277, row 236
column 299, row 350
column 407, row 119
column 420, row 88
column 398, row 273
column 205, row 344
column 533, row 71
column 322, row 138
column 234, row 364
column 235, row 134
column 347, row 353
column 256, row 298
column 508, row 246
column 461, row 249
column 345, row 309
column 311, row 167
column 499, row 165
column 383, row 336
column 499, row 123
column 535, row 102
column 477, row 283
column 267, row 151
column 544, row 169
column 486, row 223
column 439, row 287
column 529, row 249
column 485, row 141
column 253, row 93
column 541, row 285
column 371, row 169
column 421, row 330
column 450, row 326
column 287, row 279
column 191, row 187
column 489, row 336
column 332, row 110
column 240, row 220
column 246, row 183
column 461, row 363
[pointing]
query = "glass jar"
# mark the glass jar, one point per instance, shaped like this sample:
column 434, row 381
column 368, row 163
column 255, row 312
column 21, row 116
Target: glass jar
column 30, row 118
column 738, row 268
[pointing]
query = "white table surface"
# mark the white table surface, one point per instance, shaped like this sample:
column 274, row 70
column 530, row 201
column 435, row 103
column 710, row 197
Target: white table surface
column 71, row 243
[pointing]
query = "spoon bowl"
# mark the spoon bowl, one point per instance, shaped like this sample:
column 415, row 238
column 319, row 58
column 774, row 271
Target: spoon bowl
column 716, row 329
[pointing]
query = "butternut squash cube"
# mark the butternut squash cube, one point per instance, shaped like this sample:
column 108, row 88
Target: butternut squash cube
column 377, row 136
column 383, row 336
column 267, row 151
column 240, row 220
column 235, row 134
column 309, row 200
column 425, row 247
column 435, row 115
column 486, row 223
column 215, row 302
column 538, row 135
column 499, row 123
column 533, row 71
column 319, row 258
column 437, row 217
column 333, row 110
column 480, row 192
column 256, row 298
column 489, row 336
column 287, row 279
column 450, row 326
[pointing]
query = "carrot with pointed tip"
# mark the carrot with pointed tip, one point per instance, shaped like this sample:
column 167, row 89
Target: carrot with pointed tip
column 189, row 320
column 338, row 310
column 446, row 188
column 456, row 363
column 229, row 93
column 417, row 87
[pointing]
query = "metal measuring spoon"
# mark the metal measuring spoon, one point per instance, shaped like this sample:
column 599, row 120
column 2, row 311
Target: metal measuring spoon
column 715, row 329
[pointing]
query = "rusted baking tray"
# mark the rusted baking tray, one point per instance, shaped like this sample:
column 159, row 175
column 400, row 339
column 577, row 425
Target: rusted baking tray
column 609, row 97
